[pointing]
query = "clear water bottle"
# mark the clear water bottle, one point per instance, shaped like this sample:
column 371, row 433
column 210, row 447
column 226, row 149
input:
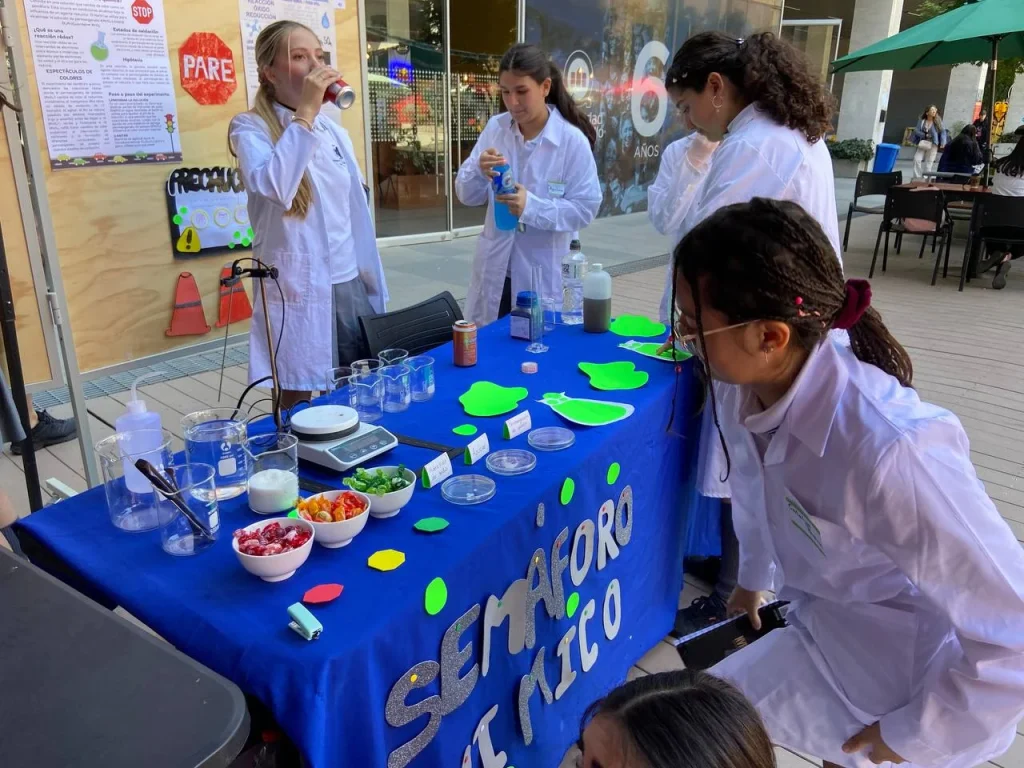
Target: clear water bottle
column 504, row 184
column 574, row 269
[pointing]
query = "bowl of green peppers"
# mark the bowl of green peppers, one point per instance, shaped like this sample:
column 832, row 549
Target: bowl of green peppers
column 389, row 488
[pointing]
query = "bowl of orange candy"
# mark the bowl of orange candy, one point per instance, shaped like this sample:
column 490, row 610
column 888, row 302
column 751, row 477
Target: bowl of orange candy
column 337, row 516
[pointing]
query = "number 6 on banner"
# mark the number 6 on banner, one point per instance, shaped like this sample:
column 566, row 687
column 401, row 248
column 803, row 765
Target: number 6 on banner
column 644, row 84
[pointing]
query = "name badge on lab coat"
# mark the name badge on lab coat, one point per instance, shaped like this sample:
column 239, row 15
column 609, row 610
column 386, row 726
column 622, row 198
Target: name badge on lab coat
column 556, row 189
column 798, row 517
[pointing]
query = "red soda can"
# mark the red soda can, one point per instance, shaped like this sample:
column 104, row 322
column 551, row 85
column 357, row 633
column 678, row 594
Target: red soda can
column 341, row 94
column 464, row 333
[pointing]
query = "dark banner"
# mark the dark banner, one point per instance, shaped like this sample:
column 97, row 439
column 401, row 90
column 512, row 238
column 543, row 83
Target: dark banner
column 614, row 54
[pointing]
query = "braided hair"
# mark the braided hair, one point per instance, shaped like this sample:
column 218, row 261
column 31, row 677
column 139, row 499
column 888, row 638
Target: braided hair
column 771, row 260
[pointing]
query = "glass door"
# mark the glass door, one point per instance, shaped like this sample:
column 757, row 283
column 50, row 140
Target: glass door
column 408, row 127
column 818, row 39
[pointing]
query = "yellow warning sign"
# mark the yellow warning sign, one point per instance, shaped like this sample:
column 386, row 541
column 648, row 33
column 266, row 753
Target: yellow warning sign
column 189, row 241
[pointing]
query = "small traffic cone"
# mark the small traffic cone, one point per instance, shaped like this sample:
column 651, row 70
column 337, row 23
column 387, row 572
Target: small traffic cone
column 188, row 317
column 234, row 304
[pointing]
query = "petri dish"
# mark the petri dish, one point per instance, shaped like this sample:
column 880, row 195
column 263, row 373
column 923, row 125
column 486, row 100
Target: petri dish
column 466, row 490
column 551, row 438
column 511, row 462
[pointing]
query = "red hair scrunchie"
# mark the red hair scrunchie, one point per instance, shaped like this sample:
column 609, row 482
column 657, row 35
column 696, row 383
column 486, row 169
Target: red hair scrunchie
column 858, row 299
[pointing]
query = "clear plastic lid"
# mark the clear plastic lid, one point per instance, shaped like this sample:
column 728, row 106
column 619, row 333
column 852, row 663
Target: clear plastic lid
column 511, row 462
column 551, row 438
column 465, row 490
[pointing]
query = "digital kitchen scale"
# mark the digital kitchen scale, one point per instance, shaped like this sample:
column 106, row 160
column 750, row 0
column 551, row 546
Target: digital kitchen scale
column 333, row 437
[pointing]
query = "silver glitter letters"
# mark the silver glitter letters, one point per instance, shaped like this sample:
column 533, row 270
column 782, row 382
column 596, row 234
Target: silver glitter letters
column 454, row 689
column 565, row 654
column 482, row 734
column 624, row 517
column 577, row 572
column 513, row 606
column 612, row 593
column 527, row 685
column 558, row 566
column 540, row 515
column 398, row 714
column 538, row 568
column 606, row 546
column 588, row 656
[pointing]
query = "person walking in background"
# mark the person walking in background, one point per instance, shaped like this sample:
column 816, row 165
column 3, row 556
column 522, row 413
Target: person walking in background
column 1008, row 181
column 962, row 157
column 928, row 135
column 757, row 97
column 310, row 215
column 983, row 131
column 548, row 144
column 682, row 719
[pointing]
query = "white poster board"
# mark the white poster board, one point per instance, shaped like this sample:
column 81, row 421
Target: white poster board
column 254, row 15
column 104, row 80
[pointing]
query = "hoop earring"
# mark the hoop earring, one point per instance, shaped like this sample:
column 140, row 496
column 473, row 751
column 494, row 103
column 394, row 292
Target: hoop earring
column 718, row 106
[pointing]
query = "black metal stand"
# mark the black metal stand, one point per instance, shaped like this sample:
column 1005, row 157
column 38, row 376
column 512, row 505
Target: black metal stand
column 10, row 337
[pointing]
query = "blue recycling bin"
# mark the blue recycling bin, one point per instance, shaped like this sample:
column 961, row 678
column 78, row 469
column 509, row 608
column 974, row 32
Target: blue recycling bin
column 885, row 158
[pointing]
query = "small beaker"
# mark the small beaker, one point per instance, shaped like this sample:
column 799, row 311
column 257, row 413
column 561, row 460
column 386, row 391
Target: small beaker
column 337, row 381
column 368, row 392
column 422, row 377
column 189, row 518
column 552, row 312
column 130, row 499
column 273, row 472
column 397, row 387
column 217, row 437
column 365, row 366
column 392, row 356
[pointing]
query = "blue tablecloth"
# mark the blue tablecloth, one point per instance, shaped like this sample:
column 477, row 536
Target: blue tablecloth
column 330, row 695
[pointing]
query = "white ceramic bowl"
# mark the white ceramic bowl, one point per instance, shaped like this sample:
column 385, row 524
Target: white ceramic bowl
column 390, row 504
column 276, row 567
column 336, row 535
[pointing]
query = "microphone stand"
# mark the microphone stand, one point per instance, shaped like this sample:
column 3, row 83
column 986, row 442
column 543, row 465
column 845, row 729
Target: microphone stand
column 261, row 273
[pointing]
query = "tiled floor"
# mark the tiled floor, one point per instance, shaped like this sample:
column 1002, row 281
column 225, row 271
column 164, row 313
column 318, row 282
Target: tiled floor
column 966, row 349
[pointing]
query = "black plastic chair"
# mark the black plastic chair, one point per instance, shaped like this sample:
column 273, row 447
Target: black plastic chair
column 922, row 204
column 870, row 184
column 416, row 329
column 991, row 212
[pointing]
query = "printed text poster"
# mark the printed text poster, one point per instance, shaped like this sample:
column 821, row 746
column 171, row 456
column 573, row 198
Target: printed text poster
column 104, row 81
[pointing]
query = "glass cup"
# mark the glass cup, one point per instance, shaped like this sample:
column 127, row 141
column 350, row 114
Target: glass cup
column 422, row 377
column 273, row 472
column 217, row 437
column 392, row 356
column 552, row 311
column 368, row 393
column 338, row 381
column 130, row 499
column 365, row 366
column 397, row 387
column 189, row 519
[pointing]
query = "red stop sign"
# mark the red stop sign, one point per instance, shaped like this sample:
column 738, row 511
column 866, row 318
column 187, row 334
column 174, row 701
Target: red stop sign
column 142, row 11
column 207, row 68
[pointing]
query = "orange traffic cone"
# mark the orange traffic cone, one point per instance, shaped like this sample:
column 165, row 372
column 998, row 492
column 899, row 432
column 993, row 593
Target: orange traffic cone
column 234, row 304
column 188, row 317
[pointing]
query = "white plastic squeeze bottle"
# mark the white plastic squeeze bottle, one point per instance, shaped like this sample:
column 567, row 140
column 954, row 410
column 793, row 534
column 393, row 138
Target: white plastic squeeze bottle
column 140, row 444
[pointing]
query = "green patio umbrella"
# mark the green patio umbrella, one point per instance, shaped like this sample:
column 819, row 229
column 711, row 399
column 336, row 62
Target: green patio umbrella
column 982, row 30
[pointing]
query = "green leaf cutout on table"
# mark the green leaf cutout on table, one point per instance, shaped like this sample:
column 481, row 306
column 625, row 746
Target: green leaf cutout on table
column 650, row 349
column 465, row 430
column 431, row 525
column 587, row 413
column 610, row 377
column 572, row 604
column 637, row 325
column 485, row 398
column 613, row 473
column 568, row 491
column 436, row 596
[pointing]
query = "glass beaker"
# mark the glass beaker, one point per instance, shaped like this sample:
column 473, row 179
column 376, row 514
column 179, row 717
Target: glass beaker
column 365, row 366
column 273, row 472
column 392, row 356
column 368, row 392
column 337, row 381
column 189, row 518
column 217, row 437
column 130, row 499
column 552, row 313
column 397, row 387
column 422, row 377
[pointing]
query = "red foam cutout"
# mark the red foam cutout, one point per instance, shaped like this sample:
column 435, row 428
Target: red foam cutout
column 324, row 593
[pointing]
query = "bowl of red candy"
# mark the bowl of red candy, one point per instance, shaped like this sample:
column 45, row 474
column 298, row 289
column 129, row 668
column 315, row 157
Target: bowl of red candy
column 274, row 549
column 336, row 516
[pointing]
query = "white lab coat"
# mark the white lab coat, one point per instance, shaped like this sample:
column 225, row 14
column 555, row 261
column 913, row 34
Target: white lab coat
column 907, row 587
column 299, row 247
column 563, row 198
column 760, row 158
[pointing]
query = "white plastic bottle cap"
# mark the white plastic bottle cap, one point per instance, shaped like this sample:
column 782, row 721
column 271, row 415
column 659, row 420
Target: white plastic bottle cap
column 528, row 367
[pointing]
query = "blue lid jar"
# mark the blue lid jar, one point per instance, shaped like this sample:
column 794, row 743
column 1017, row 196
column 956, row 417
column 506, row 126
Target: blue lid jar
column 527, row 299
